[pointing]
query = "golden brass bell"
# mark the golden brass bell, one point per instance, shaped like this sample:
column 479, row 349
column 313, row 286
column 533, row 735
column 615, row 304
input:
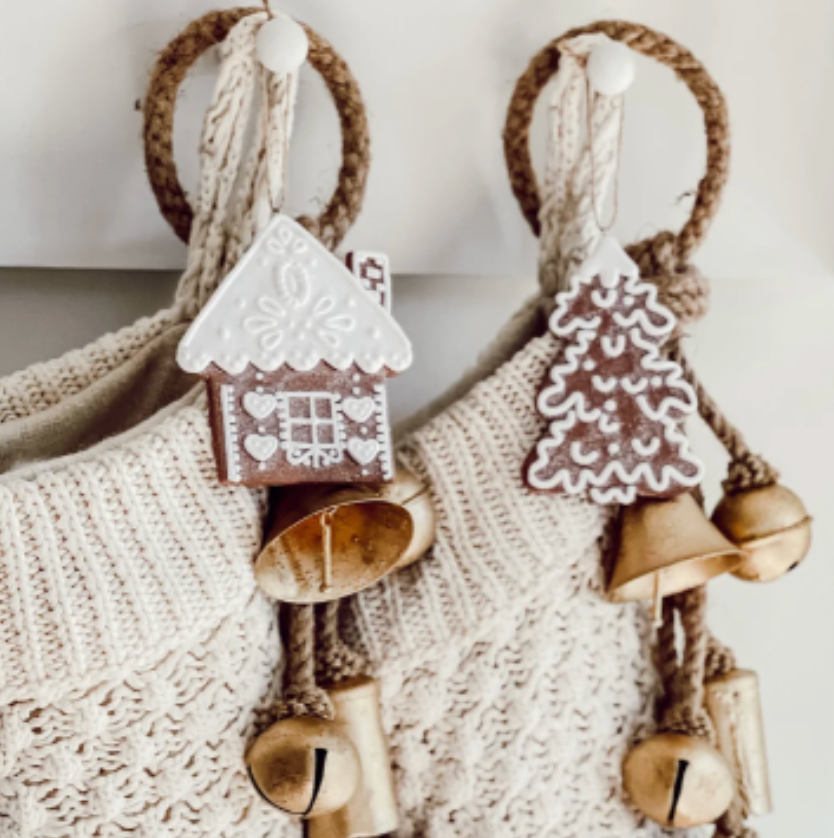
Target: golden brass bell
column 666, row 547
column 678, row 781
column 733, row 704
column 773, row 527
column 304, row 766
column 372, row 811
column 328, row 542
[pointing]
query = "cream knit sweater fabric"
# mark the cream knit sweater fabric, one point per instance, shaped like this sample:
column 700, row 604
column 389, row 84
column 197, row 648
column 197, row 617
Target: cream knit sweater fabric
column 136, row 652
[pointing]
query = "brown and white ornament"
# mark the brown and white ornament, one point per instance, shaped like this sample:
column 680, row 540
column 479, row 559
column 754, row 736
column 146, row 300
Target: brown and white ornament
column 615, row 404
column 296, row 349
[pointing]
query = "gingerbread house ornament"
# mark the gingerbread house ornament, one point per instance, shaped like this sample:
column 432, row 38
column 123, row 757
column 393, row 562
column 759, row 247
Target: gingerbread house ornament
column 296, row 348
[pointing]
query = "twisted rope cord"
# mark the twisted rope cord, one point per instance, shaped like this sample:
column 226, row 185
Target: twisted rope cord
column 684, row 709
column 302, row 696
column 336, row 661
column 170, row 71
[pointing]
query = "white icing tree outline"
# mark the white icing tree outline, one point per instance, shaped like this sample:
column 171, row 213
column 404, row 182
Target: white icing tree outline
column 616, row 404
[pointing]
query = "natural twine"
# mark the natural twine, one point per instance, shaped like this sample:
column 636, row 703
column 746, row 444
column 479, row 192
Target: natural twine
column 173, row 64
column 302, row 696
column 664, row 258
column 336, row 660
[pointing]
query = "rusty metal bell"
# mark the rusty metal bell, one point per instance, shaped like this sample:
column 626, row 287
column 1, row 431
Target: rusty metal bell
column 305, row 766
column 327, row 542
column 678, row 781
column 372, row 810
column 666, row 547
column 771, row 525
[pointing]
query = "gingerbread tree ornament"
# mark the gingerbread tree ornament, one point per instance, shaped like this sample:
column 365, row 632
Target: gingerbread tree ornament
column 616, row 405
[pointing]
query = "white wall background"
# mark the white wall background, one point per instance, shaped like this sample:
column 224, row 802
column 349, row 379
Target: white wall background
column 437, row 77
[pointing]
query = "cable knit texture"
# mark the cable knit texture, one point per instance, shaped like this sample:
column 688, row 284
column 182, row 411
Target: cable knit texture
column 511, row 688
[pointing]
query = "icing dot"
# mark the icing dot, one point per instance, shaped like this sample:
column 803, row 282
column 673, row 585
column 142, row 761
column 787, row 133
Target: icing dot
column 374, row 333
column 364, row 471
column 589, row 365
column 356, row 377
column 351, row 303
column 614, row 448
column 610, row 405
column 225, row 333
column 628, row 300
column 357, row 391
column 261, row 429
column 657, row 381
column 240, row 302
column 259, row 376
column 363, row 431
column 260, row 389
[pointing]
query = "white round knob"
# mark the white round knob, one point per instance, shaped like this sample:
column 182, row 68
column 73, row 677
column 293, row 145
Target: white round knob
column 611, row 68
column 282, row 45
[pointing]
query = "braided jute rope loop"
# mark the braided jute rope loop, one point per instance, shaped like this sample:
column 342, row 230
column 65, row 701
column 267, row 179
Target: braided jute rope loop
column 666, row 253
column 336, row 661
column 171, row 68
column 302, row 696
column 747, row 470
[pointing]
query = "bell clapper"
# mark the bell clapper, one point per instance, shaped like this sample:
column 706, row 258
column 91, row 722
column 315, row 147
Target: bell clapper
column 327, row 542
column 657, row 601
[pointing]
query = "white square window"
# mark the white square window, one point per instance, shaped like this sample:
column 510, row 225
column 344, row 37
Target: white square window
column 311, row 429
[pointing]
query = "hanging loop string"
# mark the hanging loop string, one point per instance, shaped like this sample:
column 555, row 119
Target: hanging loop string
column 577, row 170
column 172, row 66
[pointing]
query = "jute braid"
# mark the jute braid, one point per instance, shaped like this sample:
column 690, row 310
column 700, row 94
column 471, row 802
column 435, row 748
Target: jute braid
column 685, row 712
column 747, row 470
column 302, row 696
column 664, row 258
column 336, row 661
column 170, row 71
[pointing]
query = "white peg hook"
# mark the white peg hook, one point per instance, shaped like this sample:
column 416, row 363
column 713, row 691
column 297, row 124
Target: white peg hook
column 282, row 45
column 611, row 68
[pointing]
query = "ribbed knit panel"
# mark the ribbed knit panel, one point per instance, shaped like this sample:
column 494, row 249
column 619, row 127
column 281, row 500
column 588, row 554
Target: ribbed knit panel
column 43, row 385
column 135, row 650
column 511, row 687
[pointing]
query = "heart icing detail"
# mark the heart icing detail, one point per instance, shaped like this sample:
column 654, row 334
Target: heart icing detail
column 358, row 409
column 363, row 451
column 259, row 405
column 260, row 448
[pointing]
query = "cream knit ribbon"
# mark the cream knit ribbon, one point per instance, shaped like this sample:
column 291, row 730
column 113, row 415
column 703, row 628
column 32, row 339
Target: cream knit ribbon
column 569, row 229
column 235, row 203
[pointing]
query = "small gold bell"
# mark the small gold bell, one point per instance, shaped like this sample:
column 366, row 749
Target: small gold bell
column 771, row 525
column 678, row 781
column 372, row 811
column 328, row 542
column 733, row 704
column 304, row 766
column 666, row 547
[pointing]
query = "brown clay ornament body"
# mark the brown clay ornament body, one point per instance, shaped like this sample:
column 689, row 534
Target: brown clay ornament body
column 615, row 404
column 295, row 349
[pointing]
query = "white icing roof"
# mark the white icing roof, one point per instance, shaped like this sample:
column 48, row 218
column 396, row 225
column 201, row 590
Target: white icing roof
column 289, row 301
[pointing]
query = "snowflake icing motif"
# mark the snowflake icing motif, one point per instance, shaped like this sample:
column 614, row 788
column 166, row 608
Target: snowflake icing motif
column 296, row 311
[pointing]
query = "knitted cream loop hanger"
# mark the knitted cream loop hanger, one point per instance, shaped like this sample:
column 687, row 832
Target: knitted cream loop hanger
column 567, row 218
column 174, row 62
column 225, row 225
column 664, row 258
